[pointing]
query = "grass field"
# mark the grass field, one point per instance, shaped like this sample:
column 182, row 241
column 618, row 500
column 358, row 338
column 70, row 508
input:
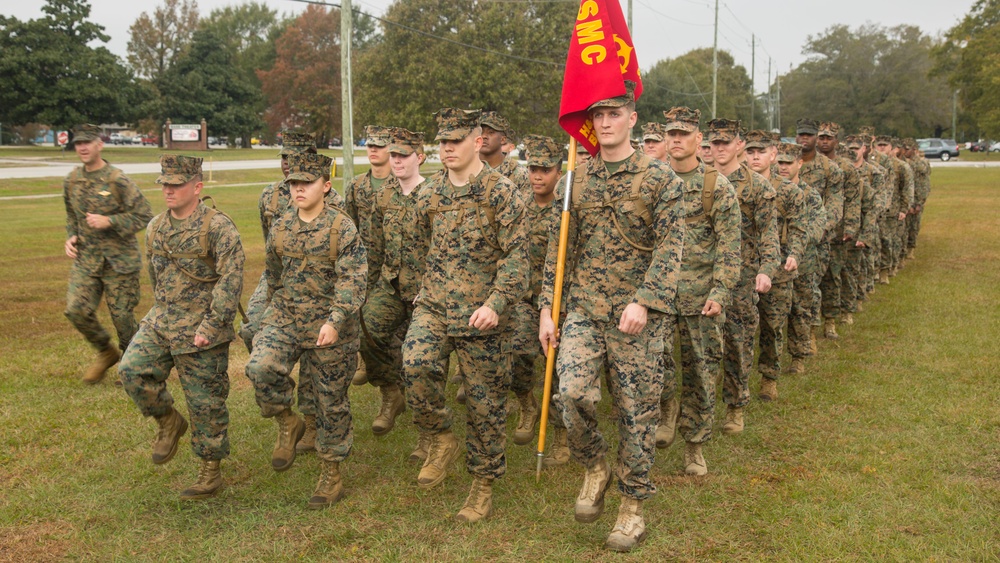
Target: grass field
column 887, row 449
column 117, row 154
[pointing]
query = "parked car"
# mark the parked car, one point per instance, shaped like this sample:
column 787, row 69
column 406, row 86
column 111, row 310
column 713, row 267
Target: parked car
column 150, row 140
column 995, row 147
column 981, row 146
column 945, row 149
column 119, row 139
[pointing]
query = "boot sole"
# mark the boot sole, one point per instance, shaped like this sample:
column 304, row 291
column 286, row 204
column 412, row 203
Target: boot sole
column 382, row 431
column 460, row 518
column 315, row 504
column 625, row 548
column 173, row 450
column 444, row 471
column 295, row 443
column 588, row 518
column 201, row 496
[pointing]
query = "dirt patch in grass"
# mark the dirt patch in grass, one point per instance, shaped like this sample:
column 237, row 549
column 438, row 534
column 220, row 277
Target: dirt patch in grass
column 41, row 541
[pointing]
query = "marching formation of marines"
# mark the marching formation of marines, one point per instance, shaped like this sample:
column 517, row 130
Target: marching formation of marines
column 715, row 240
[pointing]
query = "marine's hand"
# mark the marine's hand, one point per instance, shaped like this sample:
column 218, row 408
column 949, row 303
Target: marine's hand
column 763, row 284
column 711, row 308
column 547, row 334
column 200, row 341
column 70, row 247
column 860, row 244
column 484, row 318
column 633, row 319
column 327, row 335
column 98, row 222
column 902, row 216
column 791, row 264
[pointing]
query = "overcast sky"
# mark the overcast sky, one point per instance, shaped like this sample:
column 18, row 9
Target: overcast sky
column 663, row 28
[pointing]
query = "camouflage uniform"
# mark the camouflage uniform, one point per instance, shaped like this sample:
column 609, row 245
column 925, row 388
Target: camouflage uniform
column 837, row 274
column 311, row 284
column 605, row 273
column 760, row 254
column 196, row 269
column 509, row 168
column 871, row 185
column 710, row 269
column 397, row 243
column 775, row 305
column 900, row 201
column 921, row 190
column 107, row 261
column 359, row 194
column 477, row 257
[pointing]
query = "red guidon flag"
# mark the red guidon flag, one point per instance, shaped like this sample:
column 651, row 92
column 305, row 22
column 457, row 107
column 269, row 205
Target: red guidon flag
column 601, row 57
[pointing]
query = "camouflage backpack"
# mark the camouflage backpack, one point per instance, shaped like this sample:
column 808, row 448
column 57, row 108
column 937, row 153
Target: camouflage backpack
column 332, row 254
column 634, row 197
column 481, row 208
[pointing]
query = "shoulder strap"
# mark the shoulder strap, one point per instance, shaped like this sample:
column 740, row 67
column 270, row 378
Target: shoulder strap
column 491, row 183
column 335, row 237
column 384, row 197
column 116, row 175
column 708, row 189
column 272, row 207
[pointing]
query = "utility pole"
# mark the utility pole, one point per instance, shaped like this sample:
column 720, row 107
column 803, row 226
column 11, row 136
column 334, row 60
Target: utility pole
column 630, row 20
column 346, row 36
column 954, row 116
column 715, row 61
column 770, row 98
column 777, row 104
column 753, row 73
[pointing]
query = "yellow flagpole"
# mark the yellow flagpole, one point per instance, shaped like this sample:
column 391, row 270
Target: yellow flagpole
column 550, row 354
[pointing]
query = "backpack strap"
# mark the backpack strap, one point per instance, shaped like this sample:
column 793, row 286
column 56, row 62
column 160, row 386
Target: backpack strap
column 335, row 237
column 489, row 210
column 711, row 178
column 272, row 206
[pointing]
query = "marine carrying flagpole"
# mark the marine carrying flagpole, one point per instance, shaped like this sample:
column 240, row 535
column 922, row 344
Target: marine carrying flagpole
column 550, row 353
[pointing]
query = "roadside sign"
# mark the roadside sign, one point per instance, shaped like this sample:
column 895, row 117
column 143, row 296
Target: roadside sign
column 62, row 138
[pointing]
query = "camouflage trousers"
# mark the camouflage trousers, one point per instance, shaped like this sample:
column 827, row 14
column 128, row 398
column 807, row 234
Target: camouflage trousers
column 204, row 377
column 774, row 307
column 120, row 291
column 737, row 348
column 869, row 268
column 913, row 229
column 525, row 346
column 804, row 313
column 832, row 283
column 329, row 370
column 635, row 382
column 700, row 340
column 486, row 373
column 889, row 228
column 852, row 279
column 385, row 318
column 255, row 311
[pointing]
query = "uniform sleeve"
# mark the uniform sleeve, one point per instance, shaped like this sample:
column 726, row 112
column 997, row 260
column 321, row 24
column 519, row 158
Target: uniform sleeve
column 852, row 202
column 72, row 226
column 229, row 259
column 834, row 200
column 659, row 285
column 547, row 295
column 511, row 280
column 352, row 277
column 817, row 216
column 149, row 256
column 725, row 217
column 136, row 211
column 766, row 219
column 350, row 199
column 795, row 209
column 907, row 202
column 262, row 201
column 869, row 212
column 374, row 240
column 273, row 266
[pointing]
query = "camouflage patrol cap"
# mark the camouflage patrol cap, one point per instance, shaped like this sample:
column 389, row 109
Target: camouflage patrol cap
column 581, row 149
column 377, row 135
column 806, row 126
column 653, row 131
column 406, row 142
column 176, row 169
column 789, row 152
column 775, row 138
column 295, row 141
column 543, row 151
column 897, row 142
column 842, row 150
column 455, row 124
column 725, row 130
column 618, row 101
column 494, row 121
column 884, row 140
column 705, row 143
column 829, row 129
column 682, row 118
column 758, row 139
column 854, row 141
column 86, row 132
column 307, row 167
column 909, row 143
column 867, row 131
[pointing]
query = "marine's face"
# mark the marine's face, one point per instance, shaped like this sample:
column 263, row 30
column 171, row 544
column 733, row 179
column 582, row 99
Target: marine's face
column 683, row 144
column 308, row 195
column 790, row 169
column 723, row 152
column 493, row 141
column 826, row 143
column 884, row 148
column 89, row 151
column 543, row 179
column 807, row 140
column 706, row 154
column 459, row 155
column 181, row 197
column 405, row 167
column 377, row 156
column 612, row 125
column 758, row 159
column 655, row 149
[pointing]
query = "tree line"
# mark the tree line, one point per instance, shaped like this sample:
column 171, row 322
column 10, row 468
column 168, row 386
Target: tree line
column 251, row 72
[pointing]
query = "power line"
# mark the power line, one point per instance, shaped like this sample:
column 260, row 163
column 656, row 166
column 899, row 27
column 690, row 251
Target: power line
column 671, row 18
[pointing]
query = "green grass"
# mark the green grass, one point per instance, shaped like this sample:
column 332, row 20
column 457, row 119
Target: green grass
column 887, row 448
column 115, row 154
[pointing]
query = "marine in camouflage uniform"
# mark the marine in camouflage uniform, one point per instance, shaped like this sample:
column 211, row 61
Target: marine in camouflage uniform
column 654, row 141
column 839, row 276
column 196, row 267
column 710, row 269
column 316, row 269
column 760, row 261
column 274, row 201
column 901, row 235
column 397, row 244
column 104, row 211
column 623, row 260
column 476, row 271
column 921, row 191
column 871, row 185
column 899, row 201
column 884, row 162
column 775, row 305
column 805, row 289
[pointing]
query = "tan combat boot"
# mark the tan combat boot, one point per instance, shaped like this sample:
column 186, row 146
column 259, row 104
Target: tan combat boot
column 798, row 365
column 910, row 253
column 209, row 481
column 308, row 441
column 830, row 329
column 861, row 306
column 694, row 461
column 847, row 319
column 883, row 277
column 813, row 346
column 423, row 444
column 893, row 271
column 527, row 419
column 479, row 503
column 104, row 360
column 442, row 453
column 590, row 501
column 559, row 454
column 329, row 488
column 734, row 421
column 360, row 373
column 172, row 427
column 630, row 529
column 667, row 429
column 290, row 431
column 393, row 404
column 768, row 389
